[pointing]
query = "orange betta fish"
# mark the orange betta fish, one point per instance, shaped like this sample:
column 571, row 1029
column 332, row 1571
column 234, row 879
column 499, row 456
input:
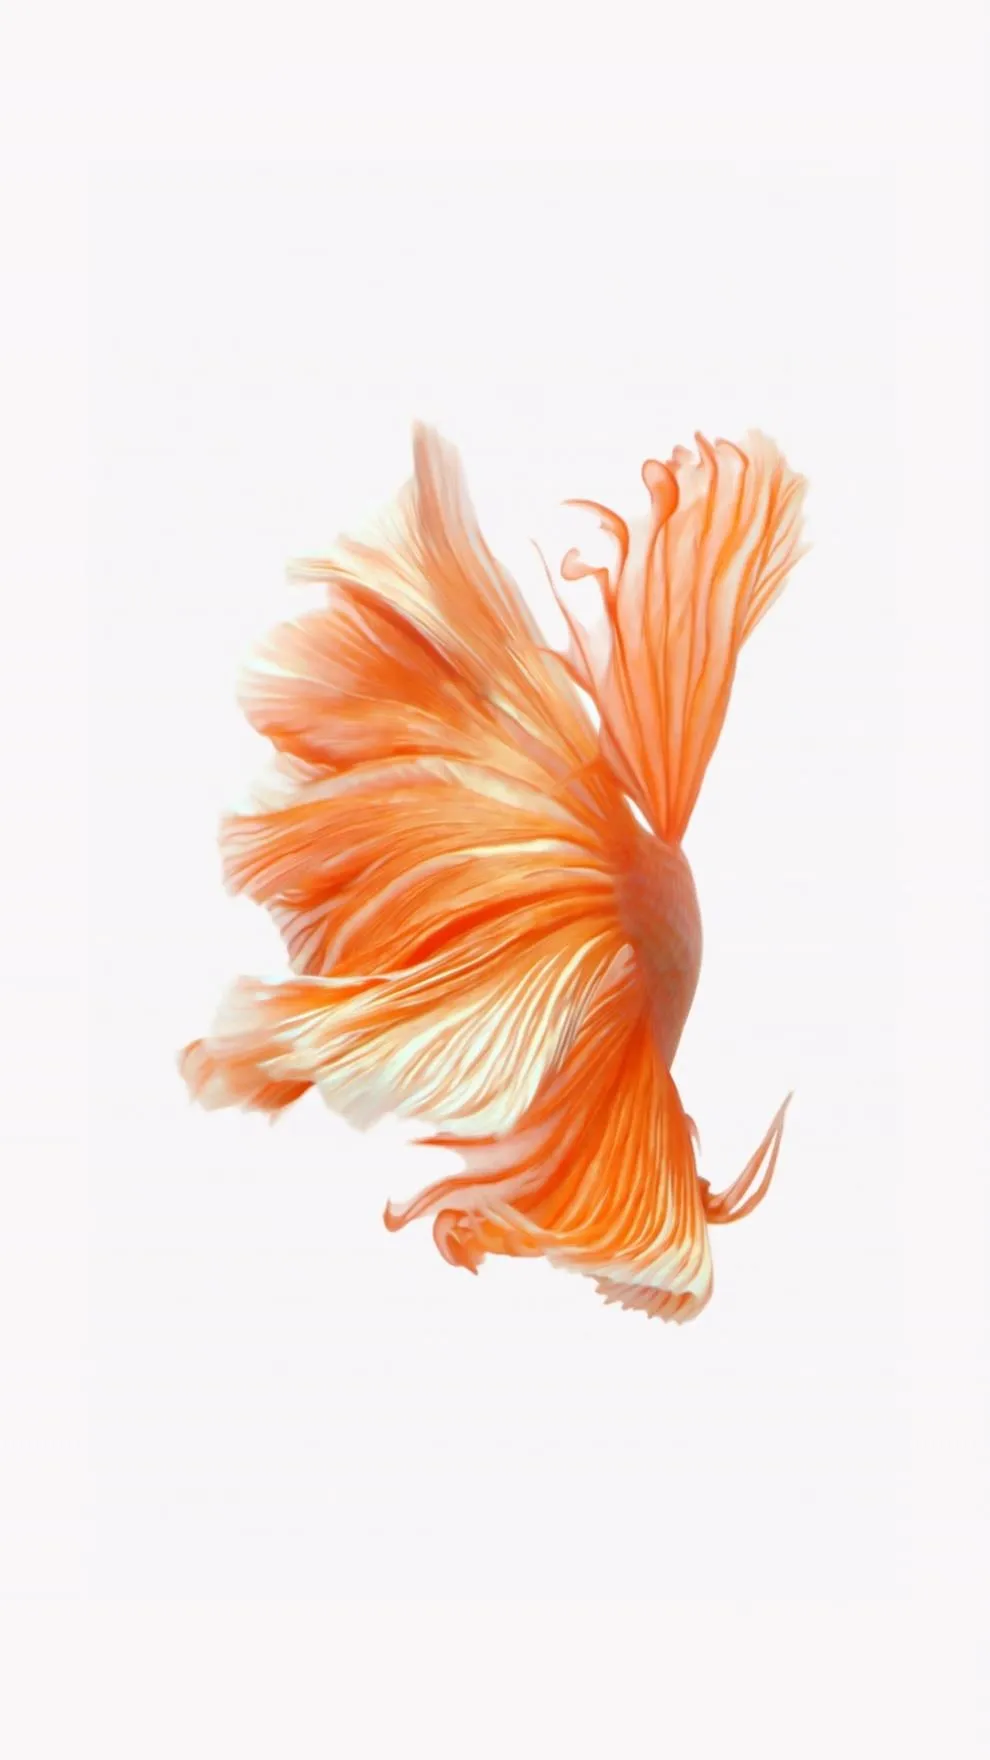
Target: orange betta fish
column 483, row 932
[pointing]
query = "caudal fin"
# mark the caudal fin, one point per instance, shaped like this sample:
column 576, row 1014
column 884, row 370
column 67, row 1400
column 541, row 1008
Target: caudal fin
column 432, row 837
column 688, row 584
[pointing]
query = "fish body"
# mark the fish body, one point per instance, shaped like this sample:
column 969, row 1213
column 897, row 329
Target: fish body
column 658, row 906
column 489, row 917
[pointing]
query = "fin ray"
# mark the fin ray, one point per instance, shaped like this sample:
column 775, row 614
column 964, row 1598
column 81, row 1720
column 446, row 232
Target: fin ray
column 690, row 583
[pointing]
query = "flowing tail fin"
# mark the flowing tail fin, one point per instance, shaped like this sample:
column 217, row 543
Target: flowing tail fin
column 432, row 839
column 688, row 585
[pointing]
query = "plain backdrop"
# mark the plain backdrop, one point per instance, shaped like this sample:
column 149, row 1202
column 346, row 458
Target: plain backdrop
column 313, row 1490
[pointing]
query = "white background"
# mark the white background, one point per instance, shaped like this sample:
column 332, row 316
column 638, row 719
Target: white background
column 281, row 1483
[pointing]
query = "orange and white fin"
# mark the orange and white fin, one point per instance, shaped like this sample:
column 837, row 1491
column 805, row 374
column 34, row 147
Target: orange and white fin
column 742, row 1197
column 599, row 1176
column 432, row 838
column 463, row 1042
column 687, row 585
